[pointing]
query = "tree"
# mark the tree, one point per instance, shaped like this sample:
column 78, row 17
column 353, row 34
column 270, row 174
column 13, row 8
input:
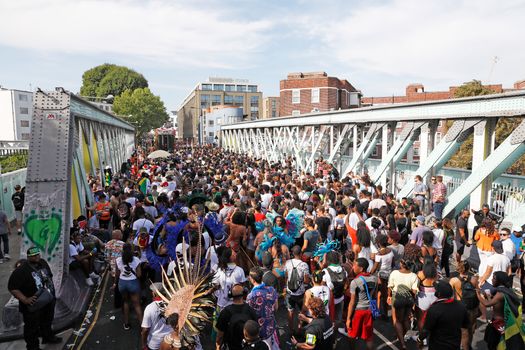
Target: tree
column 504, row 126
column 109, row 79
column 142, row 109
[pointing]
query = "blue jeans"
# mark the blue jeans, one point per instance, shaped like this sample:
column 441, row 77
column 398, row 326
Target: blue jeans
column 438, row 209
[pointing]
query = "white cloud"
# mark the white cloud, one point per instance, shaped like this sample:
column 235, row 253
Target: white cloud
column 167, row 32
column 447, row 41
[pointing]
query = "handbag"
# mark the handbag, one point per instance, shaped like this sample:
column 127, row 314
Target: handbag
column 373, row 303
column 44, row 298
column 43, row 295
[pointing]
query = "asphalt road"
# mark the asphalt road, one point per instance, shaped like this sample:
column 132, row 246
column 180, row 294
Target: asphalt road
column 104, row 330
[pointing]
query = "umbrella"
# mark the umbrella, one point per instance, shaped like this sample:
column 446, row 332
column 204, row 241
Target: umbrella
column 159, row 154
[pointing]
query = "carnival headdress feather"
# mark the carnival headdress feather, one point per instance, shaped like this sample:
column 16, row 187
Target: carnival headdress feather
column 295, row 221
column 282, row 236
column 327, row 246
column 189, row 294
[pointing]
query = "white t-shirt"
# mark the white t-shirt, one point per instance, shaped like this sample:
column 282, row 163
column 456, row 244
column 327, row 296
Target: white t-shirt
column 157, row 325
column 143, row 223
column 126, row 273
column 397, row 278
column 302, row 270
column 498, row 262
column 131, row 200
column 368, row 222
column 353, row 220
column 509, row 249
column 323, row 293
column 385, row 261
column 328, row 281
column 366, row 252
column 439, row 234
column 265, row 200
column 211, row 254
column 151, row 210
column 74, row 250
column 226, row 279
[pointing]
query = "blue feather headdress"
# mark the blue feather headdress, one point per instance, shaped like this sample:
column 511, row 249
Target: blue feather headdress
column 295, row 221
column 213, row 225
column 282, row 236
column 327, row 246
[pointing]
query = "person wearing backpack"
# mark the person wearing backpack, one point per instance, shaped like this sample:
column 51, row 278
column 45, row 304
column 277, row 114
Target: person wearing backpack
column 231, row 320
column 18, row 202
column 297, row 276
column 359, row 321
column 464, row 286
column 335, row 278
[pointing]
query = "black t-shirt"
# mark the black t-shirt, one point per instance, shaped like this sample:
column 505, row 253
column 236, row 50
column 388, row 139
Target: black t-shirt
column 444, row 321
column 320, row 333
column 231, row 321
column 29, row 280
column 18, row 200
column 323, row 224
column 258, row 345
column 462, row 223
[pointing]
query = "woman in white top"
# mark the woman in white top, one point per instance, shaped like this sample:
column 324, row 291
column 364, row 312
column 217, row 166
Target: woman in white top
column 384, row 261
column 363, row 246
column 127, row 279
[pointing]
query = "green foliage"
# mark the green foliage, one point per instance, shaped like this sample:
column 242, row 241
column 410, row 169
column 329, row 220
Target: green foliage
column 463, row 158
column 142, row 109
column 109, row 79
column 13, row 162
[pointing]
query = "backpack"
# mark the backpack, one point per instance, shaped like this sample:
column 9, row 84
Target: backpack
column 18, row 201
column 338, row 280
column 373, row 302
column 294, row 282
column 468, row 294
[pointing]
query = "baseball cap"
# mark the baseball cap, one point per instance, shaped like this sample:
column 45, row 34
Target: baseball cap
column 33, row 251
column 421, row 219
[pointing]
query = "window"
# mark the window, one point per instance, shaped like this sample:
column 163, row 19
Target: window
column 228, row 100
column 22, row 97
column 238, row 100
column 375, row 153
column 296, row 96
column 215, row 100
column 218, row 87
column 440, row 124
column 25, row 136
column 206, row 87
column 273, row 103
column 254, row 101
column 205, row 101
column 295, row 113
column 274, row 114
column 210, row 122
column 210, row 134
column 24, row 123
column 229, row 88
column 252, row 88
column 254, row 114
column 24, row 110
column 241, row 88
column 315, row 95
column 416, row 151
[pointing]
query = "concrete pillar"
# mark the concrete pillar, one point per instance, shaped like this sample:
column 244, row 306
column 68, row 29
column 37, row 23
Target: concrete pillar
column 483, row 145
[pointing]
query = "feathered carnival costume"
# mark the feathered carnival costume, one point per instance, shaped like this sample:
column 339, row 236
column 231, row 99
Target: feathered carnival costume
column 189, row 293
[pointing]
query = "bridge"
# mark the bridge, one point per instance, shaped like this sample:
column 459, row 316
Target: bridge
column 70, row 138
column 357, row 131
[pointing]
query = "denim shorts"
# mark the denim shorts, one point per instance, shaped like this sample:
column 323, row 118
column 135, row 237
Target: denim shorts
column 129, row 286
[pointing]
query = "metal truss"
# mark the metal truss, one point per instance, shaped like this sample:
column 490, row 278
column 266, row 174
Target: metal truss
column 357, row 132
column 70, row 138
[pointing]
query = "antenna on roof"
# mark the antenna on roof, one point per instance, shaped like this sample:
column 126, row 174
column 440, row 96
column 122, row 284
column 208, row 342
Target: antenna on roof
column 495, row 60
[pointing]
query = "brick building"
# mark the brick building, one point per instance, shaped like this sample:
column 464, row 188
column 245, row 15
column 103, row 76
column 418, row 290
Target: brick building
column 302, row 93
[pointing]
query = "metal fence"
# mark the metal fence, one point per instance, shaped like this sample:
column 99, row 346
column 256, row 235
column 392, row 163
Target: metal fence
column 504, row 199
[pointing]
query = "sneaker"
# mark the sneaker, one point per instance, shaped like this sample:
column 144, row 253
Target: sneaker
column 7, row 257
column 127, row 326
column 89, row 282
column 342, row 331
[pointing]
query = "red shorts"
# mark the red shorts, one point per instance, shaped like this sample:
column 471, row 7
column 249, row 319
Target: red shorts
column 362, row 325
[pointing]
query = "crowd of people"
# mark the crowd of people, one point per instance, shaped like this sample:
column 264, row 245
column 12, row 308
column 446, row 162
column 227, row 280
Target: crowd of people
column 338, row 253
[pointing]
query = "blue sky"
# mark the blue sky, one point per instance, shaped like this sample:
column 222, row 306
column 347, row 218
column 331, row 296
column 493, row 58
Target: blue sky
column 379, row 46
